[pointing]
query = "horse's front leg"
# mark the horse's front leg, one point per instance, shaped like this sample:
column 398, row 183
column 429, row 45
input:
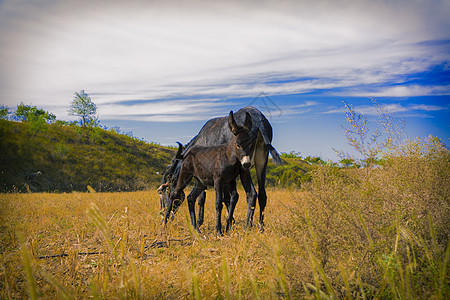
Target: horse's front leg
column 169, row 205
column 183, row 180
column 233, row 201
column 218, row 187
column 192, row 197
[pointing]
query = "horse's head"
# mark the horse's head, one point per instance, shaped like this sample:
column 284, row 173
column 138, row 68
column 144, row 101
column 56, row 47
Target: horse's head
column 170, row 179
column 244, row 145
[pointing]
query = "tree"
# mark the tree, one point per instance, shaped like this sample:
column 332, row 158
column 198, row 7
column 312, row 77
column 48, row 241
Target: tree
column 82, row 106
column 31, row 113
column 315, row 160
column 348, row 163
column 3, row 112
column 37, row 118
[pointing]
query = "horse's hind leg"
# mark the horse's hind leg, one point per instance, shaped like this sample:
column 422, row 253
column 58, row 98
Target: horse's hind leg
column 249, row 188
column 218, row 187
column 227, row 195
column 233, row 201
column 201, row 208
column 261, row 165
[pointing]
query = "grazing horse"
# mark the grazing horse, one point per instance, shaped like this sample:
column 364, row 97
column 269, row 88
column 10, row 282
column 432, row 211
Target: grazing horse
column 216, row 166
column 216, row 132
column 171, row 175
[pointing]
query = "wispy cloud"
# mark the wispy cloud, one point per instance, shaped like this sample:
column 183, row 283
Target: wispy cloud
column 298, row 109
column 334, row 110
column 164, row 111
column 184, row 50
column 392, row 108
column 387, row 108
column 395, row 91
column 426, row 107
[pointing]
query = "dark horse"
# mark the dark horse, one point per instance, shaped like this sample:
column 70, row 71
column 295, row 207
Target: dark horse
column 216, row 166
column 216, row 132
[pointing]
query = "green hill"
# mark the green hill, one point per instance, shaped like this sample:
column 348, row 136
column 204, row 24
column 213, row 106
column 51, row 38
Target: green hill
column 291, row 174
column 66, row 158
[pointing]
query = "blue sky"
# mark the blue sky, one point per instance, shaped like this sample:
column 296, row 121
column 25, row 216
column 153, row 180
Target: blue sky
column 161, row 69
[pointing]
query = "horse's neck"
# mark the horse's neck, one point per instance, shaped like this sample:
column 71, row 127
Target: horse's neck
column 231, row 153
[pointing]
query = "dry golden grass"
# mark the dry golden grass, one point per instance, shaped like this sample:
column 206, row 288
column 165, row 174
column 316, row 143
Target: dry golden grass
column 150, row 263
column 380, row 233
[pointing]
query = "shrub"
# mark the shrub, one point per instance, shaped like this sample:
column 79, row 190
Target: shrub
column 370, row 142
column 380, row 233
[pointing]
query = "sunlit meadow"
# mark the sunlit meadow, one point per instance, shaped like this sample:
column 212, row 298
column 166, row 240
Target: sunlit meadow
column 349, row 233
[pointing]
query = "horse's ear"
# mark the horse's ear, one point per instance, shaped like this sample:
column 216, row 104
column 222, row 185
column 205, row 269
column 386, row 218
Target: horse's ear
column 180, row 148
column 232, row 123
column 248, row 122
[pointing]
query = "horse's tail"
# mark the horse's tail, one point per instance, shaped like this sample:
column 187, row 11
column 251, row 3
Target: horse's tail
column 275, row 156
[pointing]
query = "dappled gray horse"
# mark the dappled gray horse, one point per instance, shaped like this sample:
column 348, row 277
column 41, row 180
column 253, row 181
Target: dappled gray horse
column 216, row 132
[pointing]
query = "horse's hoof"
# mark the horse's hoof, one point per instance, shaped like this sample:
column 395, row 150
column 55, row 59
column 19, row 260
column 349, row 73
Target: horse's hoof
column 261, row 228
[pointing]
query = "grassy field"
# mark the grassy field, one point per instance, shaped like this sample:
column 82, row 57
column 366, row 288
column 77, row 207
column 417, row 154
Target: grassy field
column 348, row 233
column 123, row 252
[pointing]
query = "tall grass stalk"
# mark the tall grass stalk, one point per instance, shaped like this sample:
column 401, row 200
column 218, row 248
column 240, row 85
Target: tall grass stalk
column 311, row 230
column 361, row 287
column 95, row 215
column 444, row 288
column 404, row 268
column 345, row 278
column 280, row 272
column 275, row 262
column 226, row 278
column 63, row 293
column 366, row 229
column 215, row 276
column 319, row 273
column 196, row 286
column 255, row 288
column 27, row 265
column 137, row 279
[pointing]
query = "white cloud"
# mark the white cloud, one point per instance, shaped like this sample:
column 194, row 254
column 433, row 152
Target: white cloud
column 396, row 91
column 164, row 111
column 370, row 110
column 374, row 111
column 427, row 107
column 138, row 50
column 334, row 110
column 392, row 108
column 298, row 109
